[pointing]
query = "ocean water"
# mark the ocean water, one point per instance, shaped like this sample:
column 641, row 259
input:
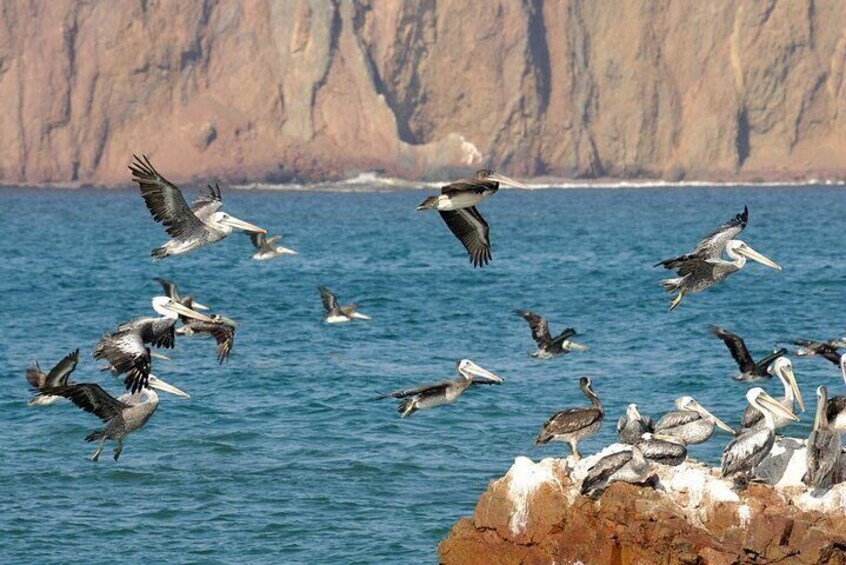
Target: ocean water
column 280, row 456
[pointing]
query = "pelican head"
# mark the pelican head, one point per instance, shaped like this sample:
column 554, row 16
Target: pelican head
column 170, row 308
column 227, row 223
column 157, row 383
column 470, row 371
column 587, row 388
column 740, row 250
column 487, row 174
column 688, row 404
column 820, row 418
column 768, row 405
column 632, row 412
column 783, row 369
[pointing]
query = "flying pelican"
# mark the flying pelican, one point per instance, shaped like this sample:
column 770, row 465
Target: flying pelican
column 189, row 227
column 689, row 422
column 744, row 452
column 783, row 368
column 444, row 392
column 822, row 450
column 265, row 248
column 574, row 424
column 835, row 408
column 749, row 369
column 703, row 267
column 221, row 328
column 336, row 314
column 629, row 466
column 457, row 206
column 172, row 291
column 666, row 450
column 826, row 349
column 124, row 349
column 632, row 426
column 548, row 347
column 122, row 415
column 41, row 382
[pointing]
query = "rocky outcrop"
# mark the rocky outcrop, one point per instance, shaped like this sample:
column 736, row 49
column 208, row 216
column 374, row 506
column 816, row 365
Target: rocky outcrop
column 283, row 89
column 535, row 515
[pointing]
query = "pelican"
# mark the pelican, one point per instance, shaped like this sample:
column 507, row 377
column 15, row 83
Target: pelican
column 666, row 450
column 750, row 370
column 124, row 349
column 122, row 415
column 703, row 267
column 189, row 227
column 689, row 422
column 783, row 368
column 457, row 206
column 172, row 291
column 835, row 408
column 744, row 452
column 221, row 328
column 574, row 424
column 444, row 392
column 41, row 382
column 336, row 314
column 629, row 466
column 548, row 347
column 826, row 349
column 822, row 450
column 265, row 248
column 632, row 426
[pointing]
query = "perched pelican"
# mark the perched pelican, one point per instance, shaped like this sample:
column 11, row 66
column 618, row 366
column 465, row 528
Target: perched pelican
column 42, row 382
column 221, row 328
column 822, row 450
column 629, row 466
column 444, row 392
column 172, row 291
column 749, row 369
column 666, row 450
column 703, row 267
column 124, row 349
column 189, row 227
column 826, row 349
column 122, row 415
column 548, row 347
column 744, row 452
column 835, row 408
column 632, row 426
column 574, row 424
column 265, row 248
column 783, row 368
column 336, row 314
column 689, row 422
column 457, row 206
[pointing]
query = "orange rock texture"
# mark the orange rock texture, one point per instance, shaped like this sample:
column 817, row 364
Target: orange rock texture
column 319, row 89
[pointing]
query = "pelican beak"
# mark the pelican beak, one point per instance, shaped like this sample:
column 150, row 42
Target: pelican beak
column 577, row 346
column 791, row 381
column 484, row 374
column 361, row 316
column 185, row 311
column 755, row 256
column 157, row 355
column 242, row 225
column 505, row 180
column 285, row 250
column 159, row 384
column 197, row 306
column 717, row 422
column 771, row 404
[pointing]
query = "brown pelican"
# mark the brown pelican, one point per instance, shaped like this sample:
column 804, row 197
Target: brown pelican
column 172, row 291
column 573, row 424
column 749, row 369
column 444, row 392
column 265, row 248
column 548, row 347
column 457, row 206
column 189, row 227
column 336, row 314
column 122, row 415
column 221, row 328
column 41, row 382
column 783, row 369
column 689, row 422
column 744, row 452
column 826, row 349
column 628, row 466
column 632, row 426
column 125, row 349
column 835, row 408
column 822, row 450
column 703, row 267
column 666, row 450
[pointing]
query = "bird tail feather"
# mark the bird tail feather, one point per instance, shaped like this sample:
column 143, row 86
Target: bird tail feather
column 407, row 407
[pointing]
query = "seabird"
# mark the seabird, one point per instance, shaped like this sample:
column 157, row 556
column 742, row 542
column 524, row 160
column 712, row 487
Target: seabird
column 172, row 291
column 41, row 382
column 548, row 347
column 703, row 267
column 629, row 466
column 122, row 415
column 749, row 369
column 124, row 349
column 783, row 369
column 189, row 227
column 457, row 206
column 632, row 426
column 826, row 349
column 835, row 408
column 265, row 248
column 748, row 449
column 689, row 422
column 573, row 424
column 666, row 450
column 444, row 392
column 221, row 328
column 823, row 448
column 336, row 314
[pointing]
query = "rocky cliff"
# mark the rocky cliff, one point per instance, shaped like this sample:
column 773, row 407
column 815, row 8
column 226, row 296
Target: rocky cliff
column 278, row 89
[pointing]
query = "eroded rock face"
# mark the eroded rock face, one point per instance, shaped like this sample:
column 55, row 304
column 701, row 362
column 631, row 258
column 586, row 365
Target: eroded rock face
column 283, row 89
column 534, row 514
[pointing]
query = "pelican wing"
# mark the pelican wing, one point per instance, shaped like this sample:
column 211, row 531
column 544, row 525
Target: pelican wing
column 675, row 419
column 223, row 334
column 469, row 185
column 538, row 325
column 93, row 399
column 762, row 365
column 205, row 205
column 563, row 336
column 170, row 289
column 126, row 354
column 736, row 347
column 823, row 454
column 751, row 416
column 330, row 301
column 259, row 240
column 604, row 468
column 742, row 452
column 834, row 407
column 35, row 376
column 423, row 389
column 567, row 422
column 59, row 374
column 472, row 231
column 714, row 243
column 164, row 200
column 824, row 349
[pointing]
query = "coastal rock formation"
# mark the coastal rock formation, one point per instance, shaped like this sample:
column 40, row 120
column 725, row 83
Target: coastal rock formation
column 283, row 89
column 534, row 515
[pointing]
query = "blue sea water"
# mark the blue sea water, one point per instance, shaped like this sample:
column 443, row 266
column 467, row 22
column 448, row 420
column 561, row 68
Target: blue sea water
column 280, row 456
